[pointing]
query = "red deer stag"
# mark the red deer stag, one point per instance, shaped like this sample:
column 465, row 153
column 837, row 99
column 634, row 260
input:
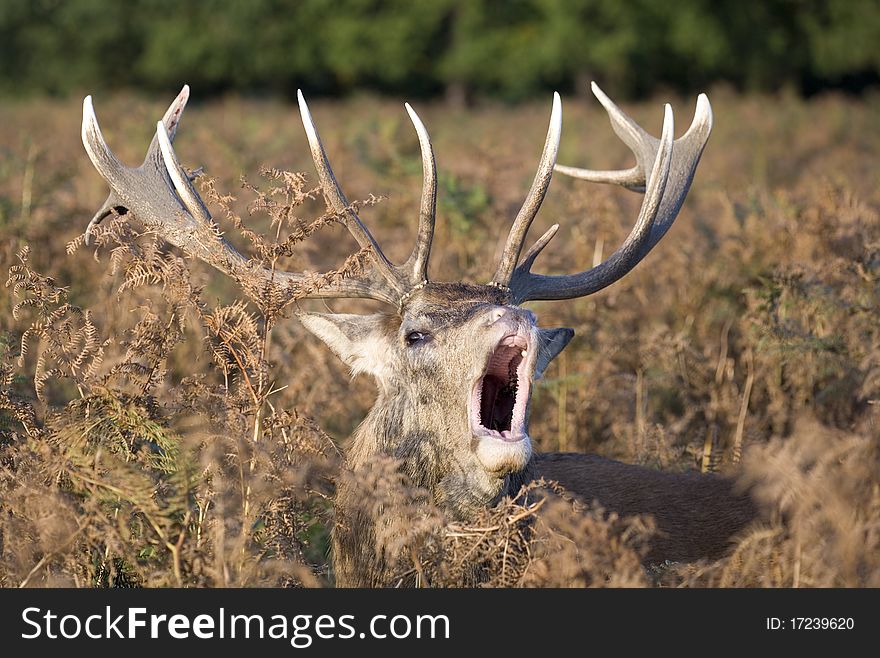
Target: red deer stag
column 454, row 362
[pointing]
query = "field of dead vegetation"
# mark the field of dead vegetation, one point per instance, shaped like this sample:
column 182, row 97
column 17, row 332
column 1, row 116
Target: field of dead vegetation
column 157, row 430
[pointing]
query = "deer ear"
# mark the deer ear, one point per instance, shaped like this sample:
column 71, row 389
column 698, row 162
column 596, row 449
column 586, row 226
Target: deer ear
column 360, row 341
column 551, row 343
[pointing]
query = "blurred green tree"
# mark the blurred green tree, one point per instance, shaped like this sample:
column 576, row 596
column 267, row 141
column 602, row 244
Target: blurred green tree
column 506, row 48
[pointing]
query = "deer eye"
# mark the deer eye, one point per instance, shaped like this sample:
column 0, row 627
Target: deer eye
column 415, row 337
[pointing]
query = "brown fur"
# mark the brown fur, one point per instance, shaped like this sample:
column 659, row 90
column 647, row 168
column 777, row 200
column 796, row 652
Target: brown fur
column 697, row 514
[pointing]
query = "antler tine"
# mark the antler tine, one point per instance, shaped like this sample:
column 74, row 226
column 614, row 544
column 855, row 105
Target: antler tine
column 182, row 183
column 532, row 204
column 417, row 264
column 173, row 114
column 340, row 204
column 160, row 194
column 108, row 165
column 536, row 249
column 643, row 145
column 527, row 286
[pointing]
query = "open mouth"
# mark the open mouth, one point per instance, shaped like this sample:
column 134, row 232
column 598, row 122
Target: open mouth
column 500, row 396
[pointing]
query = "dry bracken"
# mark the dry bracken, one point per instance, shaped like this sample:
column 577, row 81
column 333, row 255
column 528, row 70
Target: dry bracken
column 157, row 429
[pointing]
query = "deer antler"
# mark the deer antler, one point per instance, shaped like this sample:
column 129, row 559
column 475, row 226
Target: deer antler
column 664, row 171
column 160, row 194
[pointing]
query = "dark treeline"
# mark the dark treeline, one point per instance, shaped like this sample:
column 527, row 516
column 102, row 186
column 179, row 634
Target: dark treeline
column 455, row 47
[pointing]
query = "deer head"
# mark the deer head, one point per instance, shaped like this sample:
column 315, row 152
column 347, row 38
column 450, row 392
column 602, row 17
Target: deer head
column 454, row 362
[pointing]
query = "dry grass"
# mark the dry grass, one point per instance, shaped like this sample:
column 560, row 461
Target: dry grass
column 156, row 429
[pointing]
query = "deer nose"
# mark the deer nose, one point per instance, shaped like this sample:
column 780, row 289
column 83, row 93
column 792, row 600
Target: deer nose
column 496, row 314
